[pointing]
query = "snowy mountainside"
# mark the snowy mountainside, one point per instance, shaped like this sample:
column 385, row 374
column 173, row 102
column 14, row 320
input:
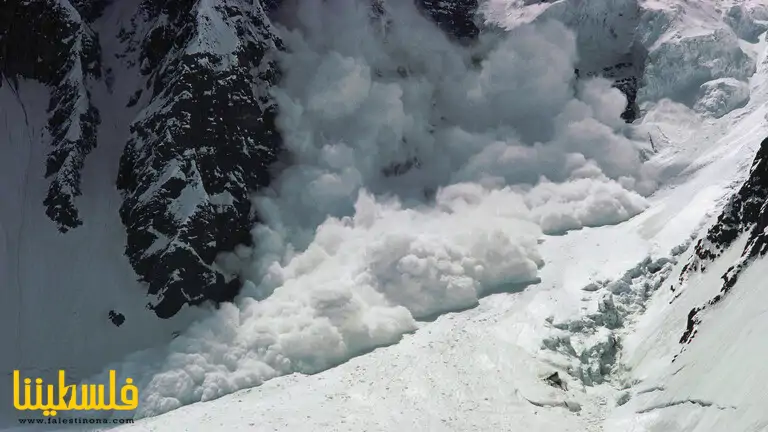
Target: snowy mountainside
column 84, row 84
column 712, row 377
column 193, row 156
column 745, row 214
column 168, row 101
column 415, row 192
column 697, row 353
column 182, row 162
column 64, row 54
column 488, row 368
column 602, row 316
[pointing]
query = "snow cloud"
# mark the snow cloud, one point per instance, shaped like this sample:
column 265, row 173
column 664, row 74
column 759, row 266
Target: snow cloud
column 422, row 175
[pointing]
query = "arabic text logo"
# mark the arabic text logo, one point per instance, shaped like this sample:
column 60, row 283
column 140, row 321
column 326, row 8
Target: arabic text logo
column 91, row 396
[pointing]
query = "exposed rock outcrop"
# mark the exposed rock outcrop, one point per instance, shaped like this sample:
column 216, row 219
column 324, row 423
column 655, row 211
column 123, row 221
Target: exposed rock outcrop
column 51, row 42
column 203, row 141
column 745, row 214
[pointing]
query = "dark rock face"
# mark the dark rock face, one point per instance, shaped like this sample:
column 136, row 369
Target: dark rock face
column 745, row 214
column 116, row 318
column 90, row 9
column 454, row 17
column 49, row 41
column 271, row 5
column 629, row 86
column 204, row 137
column 746, row 211
column 625, row 78
column 204, row 141
column 555, row 381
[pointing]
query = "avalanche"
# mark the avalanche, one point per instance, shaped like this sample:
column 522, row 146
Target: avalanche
column 595, row 297
column 486, row 368
column 349, row 257
column 459, row 222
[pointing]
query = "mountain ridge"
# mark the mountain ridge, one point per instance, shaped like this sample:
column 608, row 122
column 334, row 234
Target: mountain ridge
column 192, row 158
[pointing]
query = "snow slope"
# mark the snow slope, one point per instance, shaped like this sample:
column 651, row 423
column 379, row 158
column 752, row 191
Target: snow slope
column 58, row 289
column 70, row 102
column 57, row 294
column 713, row 377
column 600, row 296
column 484, row 369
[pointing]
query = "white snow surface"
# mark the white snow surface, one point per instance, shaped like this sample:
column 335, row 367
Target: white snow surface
column 560, row 274
column 57, row 290
column 349, row 259
column 686, row 43
column 484, row 368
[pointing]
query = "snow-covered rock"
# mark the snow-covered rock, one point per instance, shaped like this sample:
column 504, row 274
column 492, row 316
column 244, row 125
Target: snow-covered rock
column 201, row 125
column 66, row 56
column 206, row 129
column 73, row 103
column 746, row 214
column 455, row 17
column 677, row 66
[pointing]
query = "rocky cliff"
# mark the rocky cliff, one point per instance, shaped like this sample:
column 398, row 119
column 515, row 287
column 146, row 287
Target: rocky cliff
column 201, row 133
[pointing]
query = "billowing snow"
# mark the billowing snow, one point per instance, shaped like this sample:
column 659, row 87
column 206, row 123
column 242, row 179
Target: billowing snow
column 514, row 174
column 349, row 257
column 721, row 96
column 484, row 368
column 603, row 291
